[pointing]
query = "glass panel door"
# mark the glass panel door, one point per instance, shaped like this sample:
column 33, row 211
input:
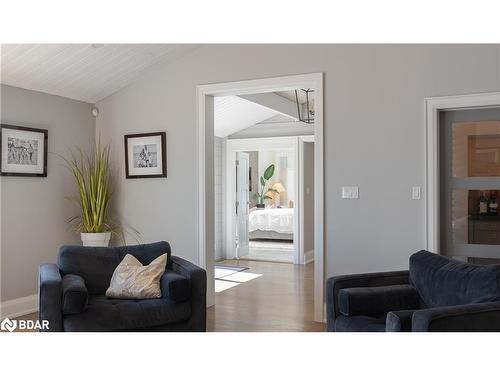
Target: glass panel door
column 470, row 182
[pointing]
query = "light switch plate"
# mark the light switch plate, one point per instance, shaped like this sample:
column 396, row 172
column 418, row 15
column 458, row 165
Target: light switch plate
column 416, row 192
column 350, row 192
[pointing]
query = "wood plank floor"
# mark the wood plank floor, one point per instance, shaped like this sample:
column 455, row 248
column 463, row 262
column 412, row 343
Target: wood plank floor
column 281, row 300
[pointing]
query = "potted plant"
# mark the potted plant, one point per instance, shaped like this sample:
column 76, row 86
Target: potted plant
column 265, row 194
column 92, row 174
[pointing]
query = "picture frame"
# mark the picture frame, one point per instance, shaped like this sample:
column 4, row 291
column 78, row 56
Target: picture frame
column 146, row 155
column 23, row 151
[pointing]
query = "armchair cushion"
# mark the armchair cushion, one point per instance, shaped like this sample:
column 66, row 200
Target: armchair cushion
column 175, row 286
column 376, row 300
column 442, row 281
column 359, row 323
column 74, row 294
column 105, row 314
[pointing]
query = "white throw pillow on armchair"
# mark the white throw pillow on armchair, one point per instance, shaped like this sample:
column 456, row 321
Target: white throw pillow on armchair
column 132, row 280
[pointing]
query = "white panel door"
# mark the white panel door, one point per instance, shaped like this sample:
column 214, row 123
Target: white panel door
column 242, row 203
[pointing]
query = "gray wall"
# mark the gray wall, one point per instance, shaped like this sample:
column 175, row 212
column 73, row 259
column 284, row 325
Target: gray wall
column 374, row 137
column 308, row 197
column 34, row 210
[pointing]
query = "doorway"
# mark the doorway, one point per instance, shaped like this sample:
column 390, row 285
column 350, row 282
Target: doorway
column 205, row 166
column 264, row 223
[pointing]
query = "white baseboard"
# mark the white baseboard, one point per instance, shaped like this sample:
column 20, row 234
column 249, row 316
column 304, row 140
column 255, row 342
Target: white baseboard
column 308, row 256
column 19, row 306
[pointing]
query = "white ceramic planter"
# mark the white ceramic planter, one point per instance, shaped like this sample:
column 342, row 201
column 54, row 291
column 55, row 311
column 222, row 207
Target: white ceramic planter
column 96, row 239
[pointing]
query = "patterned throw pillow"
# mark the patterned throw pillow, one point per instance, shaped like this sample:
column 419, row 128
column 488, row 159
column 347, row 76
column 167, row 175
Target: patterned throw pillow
column 132, row 280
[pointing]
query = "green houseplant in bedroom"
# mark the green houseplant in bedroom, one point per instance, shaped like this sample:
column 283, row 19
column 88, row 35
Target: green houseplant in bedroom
column 92, row 173
column 263, row 194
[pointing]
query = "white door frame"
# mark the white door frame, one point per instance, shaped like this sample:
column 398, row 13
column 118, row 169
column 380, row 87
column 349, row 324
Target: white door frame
column 313, row 81
column 432, row 107
column 233, row 146
column 303, row 258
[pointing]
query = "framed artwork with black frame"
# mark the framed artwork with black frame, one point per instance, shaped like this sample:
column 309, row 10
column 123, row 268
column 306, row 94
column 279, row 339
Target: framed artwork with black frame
column 23, row 151
column 146, row 155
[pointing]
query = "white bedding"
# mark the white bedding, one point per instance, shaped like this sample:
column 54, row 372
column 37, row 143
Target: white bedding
column 276, row 219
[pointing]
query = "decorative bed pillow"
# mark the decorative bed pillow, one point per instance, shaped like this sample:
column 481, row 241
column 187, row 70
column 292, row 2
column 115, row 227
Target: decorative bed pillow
column 132, row 280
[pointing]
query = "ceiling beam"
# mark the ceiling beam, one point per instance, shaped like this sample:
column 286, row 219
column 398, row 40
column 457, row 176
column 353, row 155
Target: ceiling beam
column 275, row 102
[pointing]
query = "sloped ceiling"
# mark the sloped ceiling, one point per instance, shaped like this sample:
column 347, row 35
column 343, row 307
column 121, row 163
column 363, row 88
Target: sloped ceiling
column 232, row 114
column 86, row 72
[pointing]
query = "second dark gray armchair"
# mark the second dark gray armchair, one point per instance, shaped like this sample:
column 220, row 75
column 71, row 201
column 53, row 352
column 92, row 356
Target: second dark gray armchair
column 436, row 294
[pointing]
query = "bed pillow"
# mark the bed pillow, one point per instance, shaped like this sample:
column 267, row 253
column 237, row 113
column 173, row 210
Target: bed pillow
column 132, row 280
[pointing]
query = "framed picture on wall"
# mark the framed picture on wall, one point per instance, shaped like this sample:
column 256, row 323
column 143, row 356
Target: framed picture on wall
column 146, row 155
column 23, row 151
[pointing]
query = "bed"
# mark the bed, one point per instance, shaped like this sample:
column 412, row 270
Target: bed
column 271, row 224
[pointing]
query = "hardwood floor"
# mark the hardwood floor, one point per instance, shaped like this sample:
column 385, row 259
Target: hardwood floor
column 280, row 300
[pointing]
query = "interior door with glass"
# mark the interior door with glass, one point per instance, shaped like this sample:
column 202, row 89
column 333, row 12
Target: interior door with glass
column 469, row 141
column 242, row 203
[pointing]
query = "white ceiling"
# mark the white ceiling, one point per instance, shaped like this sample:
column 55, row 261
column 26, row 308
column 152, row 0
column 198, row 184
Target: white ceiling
column 232, row 114
column 290, row 95
column 81, row 71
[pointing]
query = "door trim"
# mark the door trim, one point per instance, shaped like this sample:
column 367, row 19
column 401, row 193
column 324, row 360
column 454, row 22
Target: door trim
column 433, row 106
column 305, row 255
column 206, row 250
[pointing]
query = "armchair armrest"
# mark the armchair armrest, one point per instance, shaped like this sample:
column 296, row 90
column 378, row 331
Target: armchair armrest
column 377, row 300
column 50, row 296
column 198, row 297
column 334, row 284
column 399, row 321
column 479, row 317
column 74, row 294
column 175, row 286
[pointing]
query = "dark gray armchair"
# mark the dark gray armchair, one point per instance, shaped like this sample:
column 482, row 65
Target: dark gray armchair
column 436, row 294
column 71, row 293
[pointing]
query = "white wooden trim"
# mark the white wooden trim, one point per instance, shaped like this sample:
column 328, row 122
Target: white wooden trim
column 432, row 108
column 308, row 256
column 301, row 140
column 314, row 81
column 259, row 144
column 19, row 306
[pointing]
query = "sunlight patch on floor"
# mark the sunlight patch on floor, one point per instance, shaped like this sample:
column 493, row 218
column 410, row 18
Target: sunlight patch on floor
column 221, row 272
column 241, row 277
column 221, row 285
column 226, row 278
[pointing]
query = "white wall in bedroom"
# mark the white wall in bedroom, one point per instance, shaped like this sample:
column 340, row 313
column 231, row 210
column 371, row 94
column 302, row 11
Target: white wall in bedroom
column 34, row 210
column 374, row 137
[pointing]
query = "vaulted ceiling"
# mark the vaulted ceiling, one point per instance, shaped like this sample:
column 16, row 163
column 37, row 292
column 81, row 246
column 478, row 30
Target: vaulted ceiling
column 86, row 72
column 232, row 114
